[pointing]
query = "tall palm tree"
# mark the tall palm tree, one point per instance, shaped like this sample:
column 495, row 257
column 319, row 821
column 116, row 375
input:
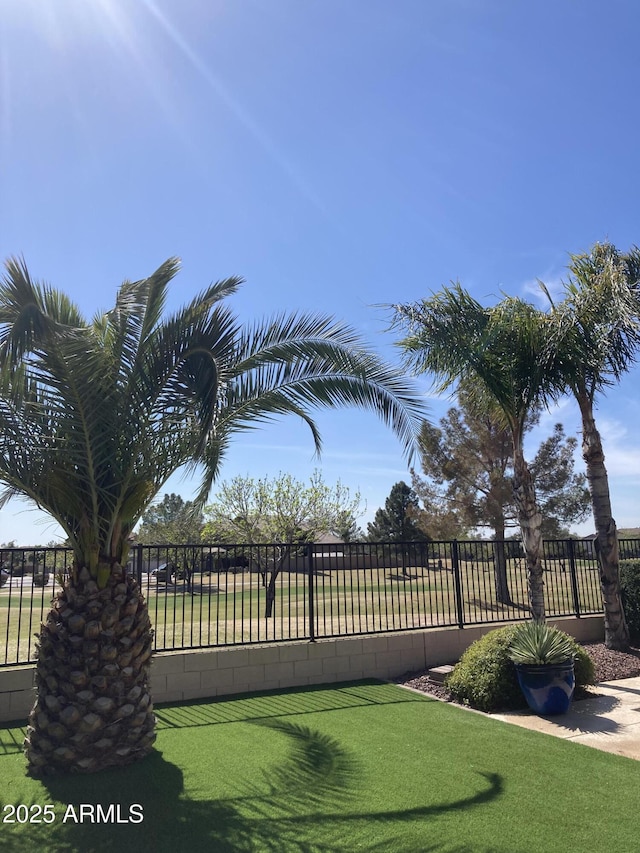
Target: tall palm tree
column 502, row 354
column 598, row 334
column 94, row 417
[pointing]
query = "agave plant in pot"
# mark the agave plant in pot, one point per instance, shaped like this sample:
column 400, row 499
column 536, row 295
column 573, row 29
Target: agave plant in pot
column 544, row 658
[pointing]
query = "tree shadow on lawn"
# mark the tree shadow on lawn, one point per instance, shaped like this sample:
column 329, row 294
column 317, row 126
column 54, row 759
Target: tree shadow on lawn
column 305, row 803
column 399, row 577
column 479, row 604
column 296, row 811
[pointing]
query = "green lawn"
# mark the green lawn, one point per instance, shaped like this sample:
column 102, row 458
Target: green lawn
column 360, row 767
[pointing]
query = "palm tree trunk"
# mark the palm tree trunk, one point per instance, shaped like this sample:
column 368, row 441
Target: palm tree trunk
column 616, row 631
column 530, row 520
column 93, row 708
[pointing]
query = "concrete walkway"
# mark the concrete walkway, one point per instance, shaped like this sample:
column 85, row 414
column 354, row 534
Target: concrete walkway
column 609, row 721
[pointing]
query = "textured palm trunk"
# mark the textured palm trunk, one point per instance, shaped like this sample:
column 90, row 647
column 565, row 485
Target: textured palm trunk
column 93, row 708
column 530, row 520
column 616, row 631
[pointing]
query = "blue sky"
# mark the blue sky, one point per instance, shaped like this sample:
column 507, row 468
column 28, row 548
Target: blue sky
column 337, row 154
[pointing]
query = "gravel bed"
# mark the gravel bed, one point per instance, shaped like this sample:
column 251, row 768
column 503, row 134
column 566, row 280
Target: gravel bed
column 609, row 666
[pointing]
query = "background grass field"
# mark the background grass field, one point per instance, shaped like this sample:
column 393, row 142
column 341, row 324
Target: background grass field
column 228, row 608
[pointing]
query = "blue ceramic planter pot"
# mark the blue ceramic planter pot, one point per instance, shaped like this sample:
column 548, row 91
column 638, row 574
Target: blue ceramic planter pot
column 548, row 689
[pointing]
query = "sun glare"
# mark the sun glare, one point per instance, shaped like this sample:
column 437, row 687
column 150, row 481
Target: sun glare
column 62, row 21
column 138, row 35
column 233, row 104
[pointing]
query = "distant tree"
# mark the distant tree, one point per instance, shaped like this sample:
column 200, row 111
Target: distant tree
column 173, row 521
column 283, row 512
column 563, row 495
column 347, row 527
column 436, row 518
column 396, row 521
column 468, row 463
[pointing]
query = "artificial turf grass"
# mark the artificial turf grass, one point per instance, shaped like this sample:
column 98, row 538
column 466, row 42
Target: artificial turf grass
column 368, row 767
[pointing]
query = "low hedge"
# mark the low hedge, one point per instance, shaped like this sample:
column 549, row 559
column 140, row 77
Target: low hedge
column 486, row 679
column 630, row 590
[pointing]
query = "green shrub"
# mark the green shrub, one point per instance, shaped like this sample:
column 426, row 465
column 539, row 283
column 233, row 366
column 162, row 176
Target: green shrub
column 584, row 667
column 630, row 589
column 485, row 678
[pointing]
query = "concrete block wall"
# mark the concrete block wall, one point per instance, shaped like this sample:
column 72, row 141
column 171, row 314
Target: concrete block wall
column 178, row 676
column 16, row 693
column 221, row 672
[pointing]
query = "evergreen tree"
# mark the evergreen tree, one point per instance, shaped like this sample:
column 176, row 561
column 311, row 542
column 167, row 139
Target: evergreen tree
column 468, row 468
column 468, row 463
column 397, row 521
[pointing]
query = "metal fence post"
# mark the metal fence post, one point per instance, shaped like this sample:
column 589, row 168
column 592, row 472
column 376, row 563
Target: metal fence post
column 137, row 563
column 310, row 593
column 455, row 564
column 574, row 578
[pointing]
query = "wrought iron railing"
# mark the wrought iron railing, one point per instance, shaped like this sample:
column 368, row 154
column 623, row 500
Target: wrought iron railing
column 203, row 595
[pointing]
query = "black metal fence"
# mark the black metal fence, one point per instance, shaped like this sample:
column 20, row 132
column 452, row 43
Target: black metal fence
column 203, row 595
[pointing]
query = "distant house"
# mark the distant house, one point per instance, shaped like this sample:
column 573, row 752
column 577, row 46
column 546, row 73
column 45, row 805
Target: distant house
column 586, row 548
column 330, row 540
column 629, row 533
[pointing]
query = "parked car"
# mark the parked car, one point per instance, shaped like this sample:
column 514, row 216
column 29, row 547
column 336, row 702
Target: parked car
column 168, row 573
column 4, row 577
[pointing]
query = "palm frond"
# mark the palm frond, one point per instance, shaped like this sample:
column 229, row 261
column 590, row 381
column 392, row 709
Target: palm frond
column 596, row 328
column 504, row 348
column 94, row 417
column 30, row 312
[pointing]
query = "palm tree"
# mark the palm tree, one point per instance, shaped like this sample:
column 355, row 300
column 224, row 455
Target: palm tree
column 94, row 417
column 598, row 333
column 503, row 355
